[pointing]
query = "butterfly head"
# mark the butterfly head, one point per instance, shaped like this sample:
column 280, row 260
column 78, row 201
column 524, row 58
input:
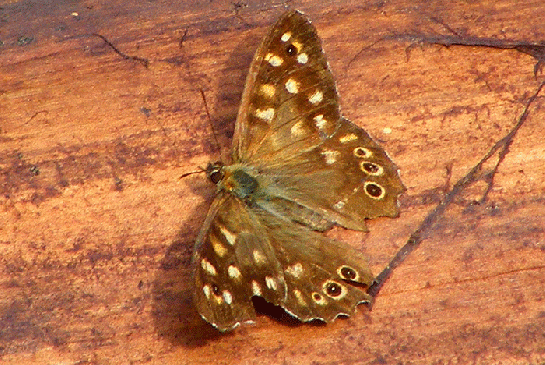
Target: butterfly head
column 215, row 172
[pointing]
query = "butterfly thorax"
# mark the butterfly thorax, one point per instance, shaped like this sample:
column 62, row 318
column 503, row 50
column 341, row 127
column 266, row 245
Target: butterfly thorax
column 235, row 179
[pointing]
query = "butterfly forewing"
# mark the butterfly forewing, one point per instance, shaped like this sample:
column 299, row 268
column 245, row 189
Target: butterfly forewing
column 289, row 93
column 290, row 127
column 324, row 278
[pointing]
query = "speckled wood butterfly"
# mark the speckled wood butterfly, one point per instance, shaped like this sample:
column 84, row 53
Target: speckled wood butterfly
column 298, row 167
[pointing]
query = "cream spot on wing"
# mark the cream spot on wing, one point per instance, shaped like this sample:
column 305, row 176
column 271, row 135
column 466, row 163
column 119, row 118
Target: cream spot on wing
column 317, row 97
column 265, row 114
column 256, row 289
column 285, row 37
column 292, row 86
column 218, row 247
column 330, row 156
column 259, row 258
column 295, row 270
column 268, row 90
column 234, row 272
column 298, row 129
column 320, row 121
column 299, row 297
column 387, row 130
column 339, row 205
column 208, row 267
column 227, row 297
column 218, row 298
column 274, row 60
column 231, row 238
column 348, row 138
column 206, row 290
column 297, row 45
column 271, row 283
column 302, row 58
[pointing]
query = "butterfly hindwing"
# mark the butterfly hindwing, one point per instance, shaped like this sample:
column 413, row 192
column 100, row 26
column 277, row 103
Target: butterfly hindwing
column 324, row 278
column 257, row 254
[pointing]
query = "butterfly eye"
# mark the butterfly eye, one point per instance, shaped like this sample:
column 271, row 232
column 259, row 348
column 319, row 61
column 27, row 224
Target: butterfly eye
column 215, row 172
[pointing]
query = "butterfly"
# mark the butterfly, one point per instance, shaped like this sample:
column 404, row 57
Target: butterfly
column 298, row 168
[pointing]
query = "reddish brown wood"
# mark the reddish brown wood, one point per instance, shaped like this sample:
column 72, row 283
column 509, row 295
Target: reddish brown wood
column 97, row 229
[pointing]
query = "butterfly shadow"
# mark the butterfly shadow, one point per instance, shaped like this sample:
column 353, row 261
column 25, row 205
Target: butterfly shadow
column 174, row 313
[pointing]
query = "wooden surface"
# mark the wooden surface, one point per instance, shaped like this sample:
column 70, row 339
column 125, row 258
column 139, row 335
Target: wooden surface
column 97, row 228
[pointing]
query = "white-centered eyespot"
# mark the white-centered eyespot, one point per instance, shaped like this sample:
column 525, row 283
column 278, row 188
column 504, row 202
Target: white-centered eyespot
column 348, row 273
column 371, row 168
column 362, row 152
column 319, row 298
column 374, row 190
column 334, row 289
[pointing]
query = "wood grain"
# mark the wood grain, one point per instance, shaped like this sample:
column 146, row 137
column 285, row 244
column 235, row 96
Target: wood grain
column 97, row 228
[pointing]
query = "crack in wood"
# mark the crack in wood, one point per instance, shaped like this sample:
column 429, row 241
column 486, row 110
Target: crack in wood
column 501, row 147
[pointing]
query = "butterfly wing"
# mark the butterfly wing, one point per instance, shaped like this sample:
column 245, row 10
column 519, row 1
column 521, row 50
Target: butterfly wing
column 290, row 128
column 234, row 261
column 324, row 278
column 252, row 253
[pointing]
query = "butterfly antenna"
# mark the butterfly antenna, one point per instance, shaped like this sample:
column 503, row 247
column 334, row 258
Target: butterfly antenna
column 201, row 170
column 211, row 125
